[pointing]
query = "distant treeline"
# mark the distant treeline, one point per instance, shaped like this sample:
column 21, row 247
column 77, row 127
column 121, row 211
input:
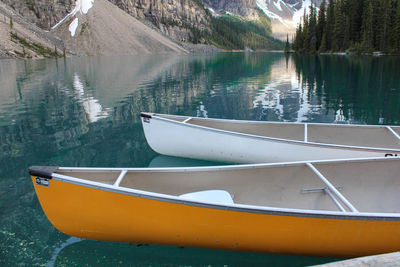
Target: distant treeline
column 230, row 32
column 233, row 32
column 358, row 26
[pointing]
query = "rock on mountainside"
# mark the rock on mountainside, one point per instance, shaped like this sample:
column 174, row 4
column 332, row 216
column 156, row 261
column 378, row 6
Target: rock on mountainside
column 97, row 27
column 244, row 8
column 20, row 38
column 43, row 13
column 179, row 19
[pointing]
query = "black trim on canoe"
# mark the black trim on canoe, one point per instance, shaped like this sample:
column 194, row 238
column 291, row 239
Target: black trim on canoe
column 42, row 171
column 145, row 115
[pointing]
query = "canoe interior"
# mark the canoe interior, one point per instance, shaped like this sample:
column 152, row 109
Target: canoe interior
column 371, row 186
column 353, row 135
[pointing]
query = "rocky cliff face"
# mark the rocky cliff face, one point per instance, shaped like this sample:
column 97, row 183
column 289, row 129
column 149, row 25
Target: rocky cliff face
column 20, row 38
column 175, row 18
column 244, row 8
column 101, row 28
column 182, row 20
column 43, row 13
column 179, row 19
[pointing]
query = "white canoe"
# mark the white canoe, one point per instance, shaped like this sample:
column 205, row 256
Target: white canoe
column 326, row 208
column 257, row 142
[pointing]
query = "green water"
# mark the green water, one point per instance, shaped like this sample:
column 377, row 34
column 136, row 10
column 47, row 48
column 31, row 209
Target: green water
column 85, row 112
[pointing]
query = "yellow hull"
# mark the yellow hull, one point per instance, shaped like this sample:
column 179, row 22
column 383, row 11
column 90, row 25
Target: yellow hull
column 92, row 213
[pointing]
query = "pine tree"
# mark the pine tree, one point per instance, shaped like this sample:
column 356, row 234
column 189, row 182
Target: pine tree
column 377, row 14
column 367, row 28
column 323, row 47
column 321, row 23
column 384, row 24
column 306, row 40
column 298, row 39
column 312, row 31
column 351, row 9
column 330, row 20
column 397, row 28
column 347, row 37
column 339, row 27
column 391, row 26
column 11, row 23
column 287, row 46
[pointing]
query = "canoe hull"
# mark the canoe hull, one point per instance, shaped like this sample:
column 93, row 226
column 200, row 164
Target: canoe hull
column 93, row 213
column 181, row 140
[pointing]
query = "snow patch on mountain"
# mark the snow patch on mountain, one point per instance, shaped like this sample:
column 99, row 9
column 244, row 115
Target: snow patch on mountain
column 285, row 15
column 262, row 4
column 299, row 14
column 84, row 5
column 278, row 5
column 283, row 12
column 211, row 10
column 73, row 26
column 81, row 6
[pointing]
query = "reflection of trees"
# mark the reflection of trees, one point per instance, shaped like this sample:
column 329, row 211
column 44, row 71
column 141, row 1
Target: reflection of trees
column 363, row 89
column 235, row 82
column 225, row 84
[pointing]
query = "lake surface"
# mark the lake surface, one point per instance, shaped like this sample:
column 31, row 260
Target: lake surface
column 85, row 112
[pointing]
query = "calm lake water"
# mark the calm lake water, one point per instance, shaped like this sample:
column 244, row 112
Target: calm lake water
column 85, row 112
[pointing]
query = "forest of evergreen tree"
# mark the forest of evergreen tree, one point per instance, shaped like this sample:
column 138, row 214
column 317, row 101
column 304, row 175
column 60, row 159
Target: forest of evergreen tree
column 355, row 26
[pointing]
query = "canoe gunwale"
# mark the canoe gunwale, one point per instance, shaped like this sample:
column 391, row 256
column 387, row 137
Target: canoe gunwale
column 275, row 139
column 228, row 167
column 159, row 115
column 231, row 207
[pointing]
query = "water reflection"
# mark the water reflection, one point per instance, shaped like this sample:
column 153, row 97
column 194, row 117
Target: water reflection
column 85, row 112
column 201, row 111
column 93, row 253
column 57, row 251
column 92, row 107
column 167, row 161
column 355, row 89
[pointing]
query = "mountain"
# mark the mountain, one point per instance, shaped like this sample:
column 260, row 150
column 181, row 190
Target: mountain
column 97, row 27
column 178, row 19
column 91, row 27
column 284, row 14
column 244, row 8
column 190, row 21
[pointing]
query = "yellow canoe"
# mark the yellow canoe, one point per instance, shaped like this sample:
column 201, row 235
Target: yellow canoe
column 326, row 208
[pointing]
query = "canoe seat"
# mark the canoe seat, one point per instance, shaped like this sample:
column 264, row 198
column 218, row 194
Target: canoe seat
column 214, row 196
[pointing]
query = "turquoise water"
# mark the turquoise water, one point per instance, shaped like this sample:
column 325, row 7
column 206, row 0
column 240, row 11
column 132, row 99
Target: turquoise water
column 85, row 112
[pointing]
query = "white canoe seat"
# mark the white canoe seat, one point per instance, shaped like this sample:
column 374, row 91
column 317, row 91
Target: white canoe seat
column 214, row 196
